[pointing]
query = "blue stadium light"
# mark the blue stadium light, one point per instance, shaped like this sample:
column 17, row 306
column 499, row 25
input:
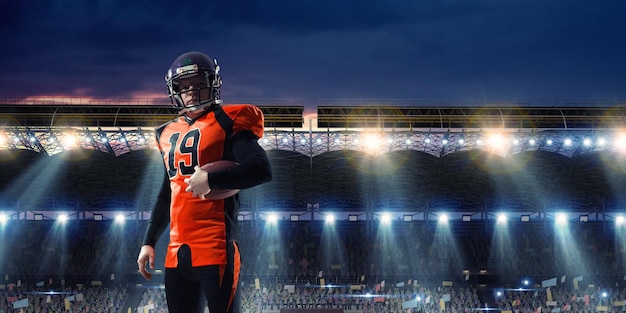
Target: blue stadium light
column 567, row 142
column 62, row 217
column 443, row 218
column 120, row 218
column 330, row 218
column 561, row 219
column 3, row 218
column 619, row 220
column 272, row 218
column 502, row 218
column 385, row 219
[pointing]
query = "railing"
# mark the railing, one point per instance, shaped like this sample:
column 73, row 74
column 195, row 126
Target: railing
column 83, row 101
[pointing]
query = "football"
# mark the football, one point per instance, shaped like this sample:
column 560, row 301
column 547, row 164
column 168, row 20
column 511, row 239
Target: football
column 219, row 166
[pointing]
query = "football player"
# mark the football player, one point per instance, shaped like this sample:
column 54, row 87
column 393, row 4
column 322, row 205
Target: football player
column 202, row 262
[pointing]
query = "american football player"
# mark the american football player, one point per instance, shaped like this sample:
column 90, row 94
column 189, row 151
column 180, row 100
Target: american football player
column 202, row 262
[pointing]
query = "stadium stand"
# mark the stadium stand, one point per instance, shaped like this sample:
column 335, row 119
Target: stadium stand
column 358, row 264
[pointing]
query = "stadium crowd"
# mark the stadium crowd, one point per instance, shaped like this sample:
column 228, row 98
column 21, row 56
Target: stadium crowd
column 271, row 298
column 47, row 263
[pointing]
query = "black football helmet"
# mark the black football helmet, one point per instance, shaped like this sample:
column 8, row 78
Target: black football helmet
column 188, row 65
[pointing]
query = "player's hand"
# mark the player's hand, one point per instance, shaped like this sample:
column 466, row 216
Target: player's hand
column 146, row 257
column 198, row 183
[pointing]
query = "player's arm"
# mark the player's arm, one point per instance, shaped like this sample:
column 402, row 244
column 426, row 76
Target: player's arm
column 160, row 217
column 254, row 165
column 157, row 224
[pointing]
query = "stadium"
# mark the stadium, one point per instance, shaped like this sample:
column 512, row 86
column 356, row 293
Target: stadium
column 421, row 208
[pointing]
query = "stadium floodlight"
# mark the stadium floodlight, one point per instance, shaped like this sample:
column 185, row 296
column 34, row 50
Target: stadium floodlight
column 272, row 218
column 501, row 219
column 385, row 219
column 567, row 142
column 63, row 217
column 330, row 218
column 120, row 218
column 443, row 218
column 561, row 218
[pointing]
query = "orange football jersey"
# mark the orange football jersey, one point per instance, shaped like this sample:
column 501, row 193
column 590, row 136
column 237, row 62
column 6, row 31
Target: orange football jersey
column 201, row 223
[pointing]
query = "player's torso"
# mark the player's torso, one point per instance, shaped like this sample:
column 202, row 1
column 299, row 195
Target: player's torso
column 194, row 221
column 184, row 146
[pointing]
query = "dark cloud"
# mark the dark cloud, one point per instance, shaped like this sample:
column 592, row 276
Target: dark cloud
column 306, row 52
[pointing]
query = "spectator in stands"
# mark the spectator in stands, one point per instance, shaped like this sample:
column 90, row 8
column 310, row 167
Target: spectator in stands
column 202, row 260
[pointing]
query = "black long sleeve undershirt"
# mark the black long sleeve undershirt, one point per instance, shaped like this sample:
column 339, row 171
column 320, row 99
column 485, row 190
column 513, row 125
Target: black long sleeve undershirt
column 160, row 217
column 254, row 166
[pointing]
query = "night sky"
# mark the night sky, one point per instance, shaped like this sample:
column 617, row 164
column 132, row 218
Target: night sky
column 304, row 52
